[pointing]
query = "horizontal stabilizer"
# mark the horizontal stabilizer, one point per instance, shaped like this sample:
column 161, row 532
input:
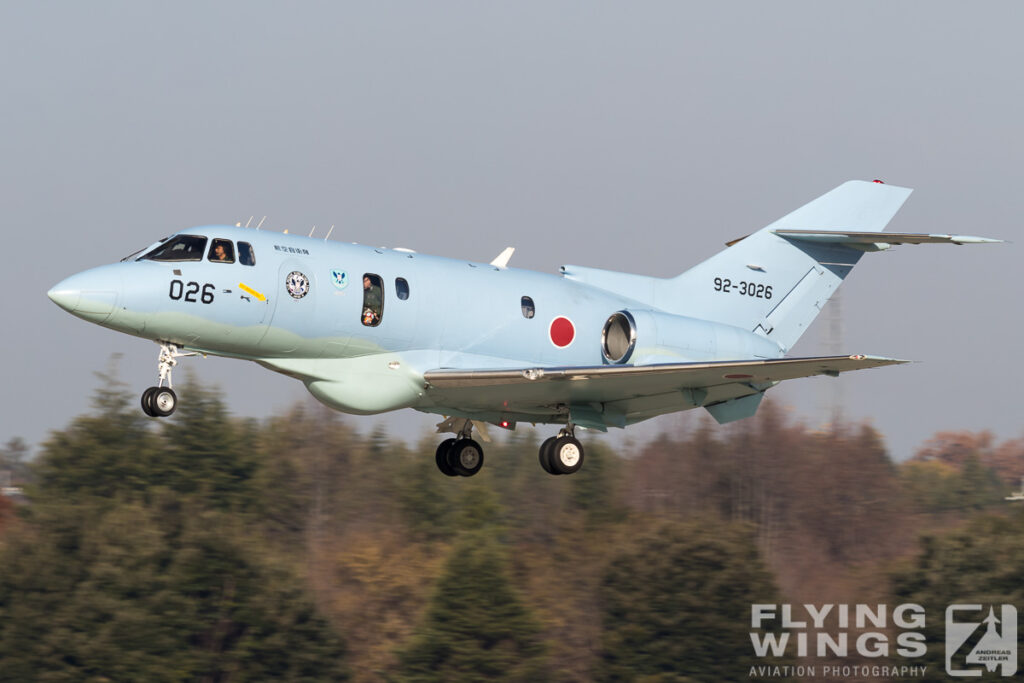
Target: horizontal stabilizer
column 874, row 240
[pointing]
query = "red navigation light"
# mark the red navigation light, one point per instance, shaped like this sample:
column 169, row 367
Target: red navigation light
column 880, row 182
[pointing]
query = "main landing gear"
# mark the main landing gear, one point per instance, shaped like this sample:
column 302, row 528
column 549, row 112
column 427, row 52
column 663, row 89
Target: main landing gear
column 460, row 457
column 562, row 454
column 160, row 401
column 463, row 457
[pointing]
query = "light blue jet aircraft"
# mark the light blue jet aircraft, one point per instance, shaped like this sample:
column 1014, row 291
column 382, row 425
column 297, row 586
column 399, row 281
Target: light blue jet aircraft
column 369, row 330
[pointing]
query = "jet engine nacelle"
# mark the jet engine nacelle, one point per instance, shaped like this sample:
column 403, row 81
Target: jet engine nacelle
column 642, row 337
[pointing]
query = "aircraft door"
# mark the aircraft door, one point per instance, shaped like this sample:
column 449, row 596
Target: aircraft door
column 404, row 299
column 293, row 308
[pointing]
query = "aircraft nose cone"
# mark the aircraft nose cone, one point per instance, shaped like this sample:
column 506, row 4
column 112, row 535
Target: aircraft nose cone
column 64, row 296
column 91, row 295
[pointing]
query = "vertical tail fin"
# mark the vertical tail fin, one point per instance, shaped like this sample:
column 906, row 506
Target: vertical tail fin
column 776, row 286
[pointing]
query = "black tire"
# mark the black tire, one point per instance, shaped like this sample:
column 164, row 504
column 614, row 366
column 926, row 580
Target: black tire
column 544, row 454
column 441, row 458
column 147, row 401
column 163, row 401
column 566, row 455
column 466, row 457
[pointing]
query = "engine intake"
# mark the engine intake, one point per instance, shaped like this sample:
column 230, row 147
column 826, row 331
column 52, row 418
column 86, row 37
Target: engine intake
column 618, row 337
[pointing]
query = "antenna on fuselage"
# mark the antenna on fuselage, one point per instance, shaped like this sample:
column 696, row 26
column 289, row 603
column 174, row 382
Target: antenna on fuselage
column 312, row 231
column 261, row 222
column 249, row 221
column 329, row 232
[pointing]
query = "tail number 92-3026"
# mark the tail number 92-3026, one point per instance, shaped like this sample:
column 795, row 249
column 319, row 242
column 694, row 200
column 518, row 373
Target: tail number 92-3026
column 754, row 289
column 189, row 291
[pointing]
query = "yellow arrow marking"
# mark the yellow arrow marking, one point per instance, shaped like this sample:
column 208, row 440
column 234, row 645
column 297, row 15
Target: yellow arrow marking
column 245, row 288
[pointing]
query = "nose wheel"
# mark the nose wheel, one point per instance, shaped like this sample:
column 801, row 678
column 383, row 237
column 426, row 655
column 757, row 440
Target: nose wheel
column 160, row 401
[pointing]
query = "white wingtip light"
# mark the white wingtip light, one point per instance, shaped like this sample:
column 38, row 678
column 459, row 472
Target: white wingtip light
column 501, row 261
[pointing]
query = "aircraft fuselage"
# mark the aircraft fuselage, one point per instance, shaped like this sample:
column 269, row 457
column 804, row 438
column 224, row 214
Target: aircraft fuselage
column 436, row 313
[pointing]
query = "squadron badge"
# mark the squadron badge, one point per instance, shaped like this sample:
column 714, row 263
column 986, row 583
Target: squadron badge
column 297, row 284
column 339, row 278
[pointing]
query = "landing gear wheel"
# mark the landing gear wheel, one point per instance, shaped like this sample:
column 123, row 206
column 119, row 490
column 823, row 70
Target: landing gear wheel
column 163, row 401
column 466, row 457
column 545, row 454
column 566, row 455
column 441, row 458
column 147, row 401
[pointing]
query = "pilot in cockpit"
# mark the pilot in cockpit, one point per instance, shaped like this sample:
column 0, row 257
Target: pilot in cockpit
column 222, row 252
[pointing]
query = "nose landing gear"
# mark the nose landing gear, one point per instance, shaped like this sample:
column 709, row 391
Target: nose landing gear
column 160, row 401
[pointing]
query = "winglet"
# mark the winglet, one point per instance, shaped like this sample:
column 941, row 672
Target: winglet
column 501, row 260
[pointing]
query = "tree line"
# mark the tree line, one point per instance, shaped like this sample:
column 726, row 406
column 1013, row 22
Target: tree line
column 215, row 548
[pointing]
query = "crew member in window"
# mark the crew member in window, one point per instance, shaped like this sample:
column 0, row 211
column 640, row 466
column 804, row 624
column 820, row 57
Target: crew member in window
column 372, row 302
column 245, row 255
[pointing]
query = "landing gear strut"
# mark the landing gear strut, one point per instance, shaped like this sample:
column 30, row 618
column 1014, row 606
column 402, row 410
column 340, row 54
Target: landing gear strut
column 461, row 456
column 562, row 454
column 160, row 401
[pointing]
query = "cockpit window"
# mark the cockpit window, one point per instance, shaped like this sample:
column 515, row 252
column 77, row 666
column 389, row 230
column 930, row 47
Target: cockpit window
column 222, row 251
column 132, row 255
column 246, row 256
column 180, row 248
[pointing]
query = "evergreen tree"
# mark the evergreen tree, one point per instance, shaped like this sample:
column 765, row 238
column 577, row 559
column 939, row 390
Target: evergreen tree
column 476, row 626
column 677, row 606
column 424, row 494
column 99, row 456
column 136, row 560
column 593, row 488
column 980, row 563
column 150, row 593
column 204, row 452
column 112, row 454
column 14, row 459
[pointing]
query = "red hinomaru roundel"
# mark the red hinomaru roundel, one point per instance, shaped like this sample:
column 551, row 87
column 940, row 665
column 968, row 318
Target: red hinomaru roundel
column 562, row 332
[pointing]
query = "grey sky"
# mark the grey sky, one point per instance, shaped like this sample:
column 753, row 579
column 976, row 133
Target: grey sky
column 632, row 136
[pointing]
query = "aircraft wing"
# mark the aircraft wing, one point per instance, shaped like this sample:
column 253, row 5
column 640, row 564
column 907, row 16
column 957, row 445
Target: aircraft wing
column 623, row 394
